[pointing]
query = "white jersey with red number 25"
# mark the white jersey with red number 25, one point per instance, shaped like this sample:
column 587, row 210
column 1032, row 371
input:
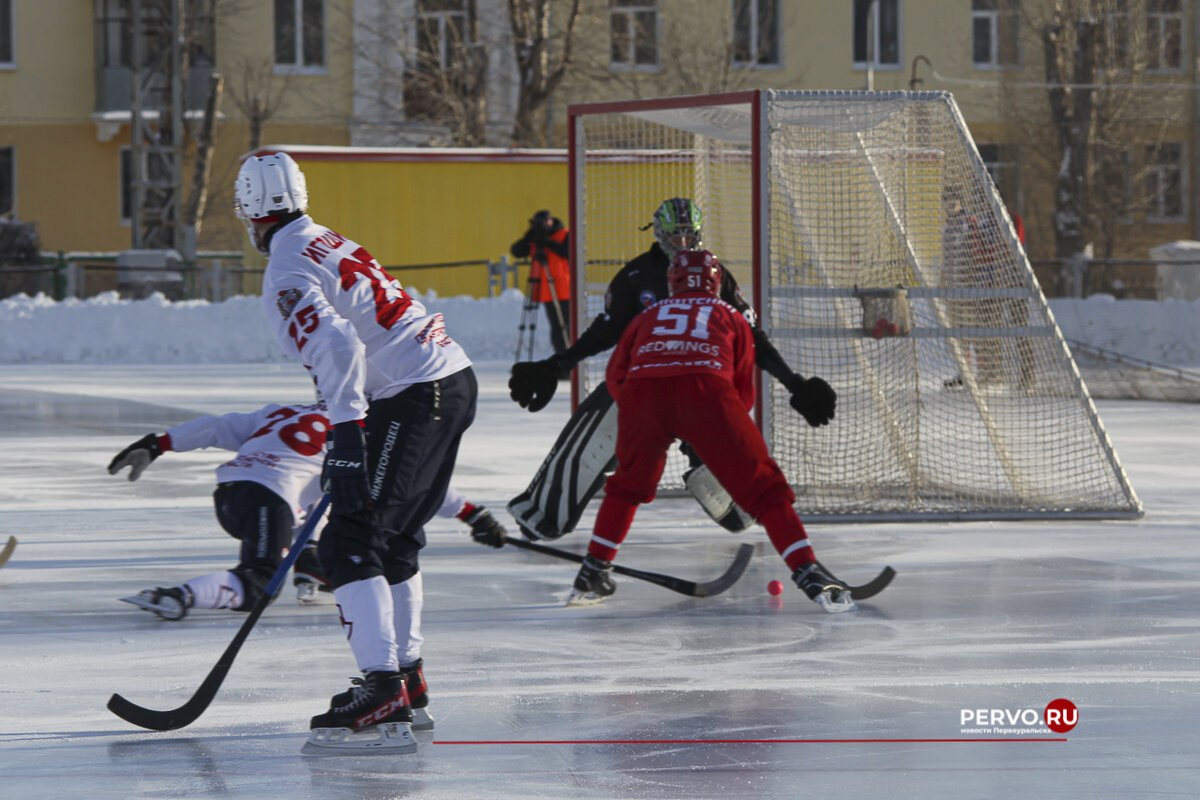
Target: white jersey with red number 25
column 340, row 314
column 280, row 447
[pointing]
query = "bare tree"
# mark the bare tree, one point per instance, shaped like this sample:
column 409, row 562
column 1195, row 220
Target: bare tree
column 446, row 80
column 1108, row 126
column 539, row 71
column 421, row 72
column 257, row 93
column 692, row 60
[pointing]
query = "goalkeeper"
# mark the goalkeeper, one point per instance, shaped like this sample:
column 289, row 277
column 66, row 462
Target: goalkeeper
column 575, row 468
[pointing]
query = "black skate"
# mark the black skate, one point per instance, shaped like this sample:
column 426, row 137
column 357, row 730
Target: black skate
column 373, row 717
column 823, row 589
column 307, row 576
column 170, row 604
column 418, row 695
column 593, row 583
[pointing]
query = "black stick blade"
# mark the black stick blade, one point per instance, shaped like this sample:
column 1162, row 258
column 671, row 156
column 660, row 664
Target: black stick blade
column 873, row 586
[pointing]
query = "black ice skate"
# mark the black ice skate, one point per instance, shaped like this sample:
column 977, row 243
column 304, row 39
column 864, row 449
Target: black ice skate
column 823, row 589
column 170, row 604
column 371, row 718
column 418, row 695
column 593, row 583
column 307, row 576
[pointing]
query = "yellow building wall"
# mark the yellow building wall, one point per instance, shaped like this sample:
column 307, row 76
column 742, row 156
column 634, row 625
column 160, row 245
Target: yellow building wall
column 433, row 208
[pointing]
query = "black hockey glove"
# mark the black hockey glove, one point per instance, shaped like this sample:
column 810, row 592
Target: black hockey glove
column 533, row 383
column 137, row 456
column 485, row 529
column 344, row 475
column 813, row 398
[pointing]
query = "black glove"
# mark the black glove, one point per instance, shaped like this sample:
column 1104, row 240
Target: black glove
column 485, row 529
column 137, row 456
column 814, row 399
column 533, row 383
column 344, row 475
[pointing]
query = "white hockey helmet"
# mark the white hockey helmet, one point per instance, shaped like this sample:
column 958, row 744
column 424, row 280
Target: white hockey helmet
column 267, row 188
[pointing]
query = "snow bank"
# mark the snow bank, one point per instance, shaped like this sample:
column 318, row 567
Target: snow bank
column 108, row 330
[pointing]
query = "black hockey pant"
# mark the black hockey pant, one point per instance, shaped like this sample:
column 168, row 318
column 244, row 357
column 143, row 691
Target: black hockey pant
column 263, row 522
column 412, row 444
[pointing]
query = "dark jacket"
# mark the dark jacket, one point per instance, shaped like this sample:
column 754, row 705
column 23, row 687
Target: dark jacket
column 643, row 282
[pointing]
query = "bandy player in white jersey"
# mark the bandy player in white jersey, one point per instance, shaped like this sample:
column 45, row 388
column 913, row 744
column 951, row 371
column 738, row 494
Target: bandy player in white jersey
column 262, row 494
column 400, row 393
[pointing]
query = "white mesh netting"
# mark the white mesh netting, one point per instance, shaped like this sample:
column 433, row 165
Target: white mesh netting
column 957, row 395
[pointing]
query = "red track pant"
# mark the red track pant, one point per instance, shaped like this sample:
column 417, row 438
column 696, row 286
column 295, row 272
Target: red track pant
column 705, row 411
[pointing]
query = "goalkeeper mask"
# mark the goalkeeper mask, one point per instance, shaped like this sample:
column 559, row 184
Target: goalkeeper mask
column 677, row 224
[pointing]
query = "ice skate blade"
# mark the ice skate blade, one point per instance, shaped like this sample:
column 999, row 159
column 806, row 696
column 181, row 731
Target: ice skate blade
column 422, row 719
column 831, row 606
column 387, row 739
column 309, row 592
column 171, row 615
column 579, row 599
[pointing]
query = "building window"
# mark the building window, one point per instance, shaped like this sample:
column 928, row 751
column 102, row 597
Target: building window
column 876, row 33
column 1112, row 197
column 1003, row 162
column 756, row 37
column 442, row 33
column 995, row 33
column 1164, row 35
column 1165, row 185
column 634, row 28
column 8, row 37
column 1115, row 41
column 299, row 36
column 126, row 185
column 8, row 181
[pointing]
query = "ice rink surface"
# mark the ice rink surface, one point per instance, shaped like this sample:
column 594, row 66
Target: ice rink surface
column 650, row 695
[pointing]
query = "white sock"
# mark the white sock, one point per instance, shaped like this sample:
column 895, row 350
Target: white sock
column 367, row 617
column 408, row 599
column 216, row 590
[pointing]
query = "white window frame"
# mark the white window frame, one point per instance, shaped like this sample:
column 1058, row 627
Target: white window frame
column 443, row 18
column 1162, row 20
column 12, row 181
column 629, row 13
column 993, row 16
column 1158, row 177
column 298, row 67
column 756, row 34
column 876, row 63
column 10, row 7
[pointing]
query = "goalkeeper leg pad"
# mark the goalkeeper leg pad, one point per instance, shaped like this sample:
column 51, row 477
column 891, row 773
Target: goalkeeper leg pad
column 715, row 501
column 572, row 472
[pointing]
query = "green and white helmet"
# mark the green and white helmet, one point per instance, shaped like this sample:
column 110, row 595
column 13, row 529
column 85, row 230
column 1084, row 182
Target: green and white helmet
column 677, row 225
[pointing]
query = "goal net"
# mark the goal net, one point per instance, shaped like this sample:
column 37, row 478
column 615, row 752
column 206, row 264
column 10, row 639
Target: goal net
column 867, row 233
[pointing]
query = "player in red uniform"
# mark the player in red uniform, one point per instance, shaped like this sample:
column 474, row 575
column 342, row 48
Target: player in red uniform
column 683, row 370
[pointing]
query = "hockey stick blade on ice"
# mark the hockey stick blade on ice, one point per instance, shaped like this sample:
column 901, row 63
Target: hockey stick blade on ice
column 190, row 711
column 871, row 587
column 7, row 552
column 691, row 588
